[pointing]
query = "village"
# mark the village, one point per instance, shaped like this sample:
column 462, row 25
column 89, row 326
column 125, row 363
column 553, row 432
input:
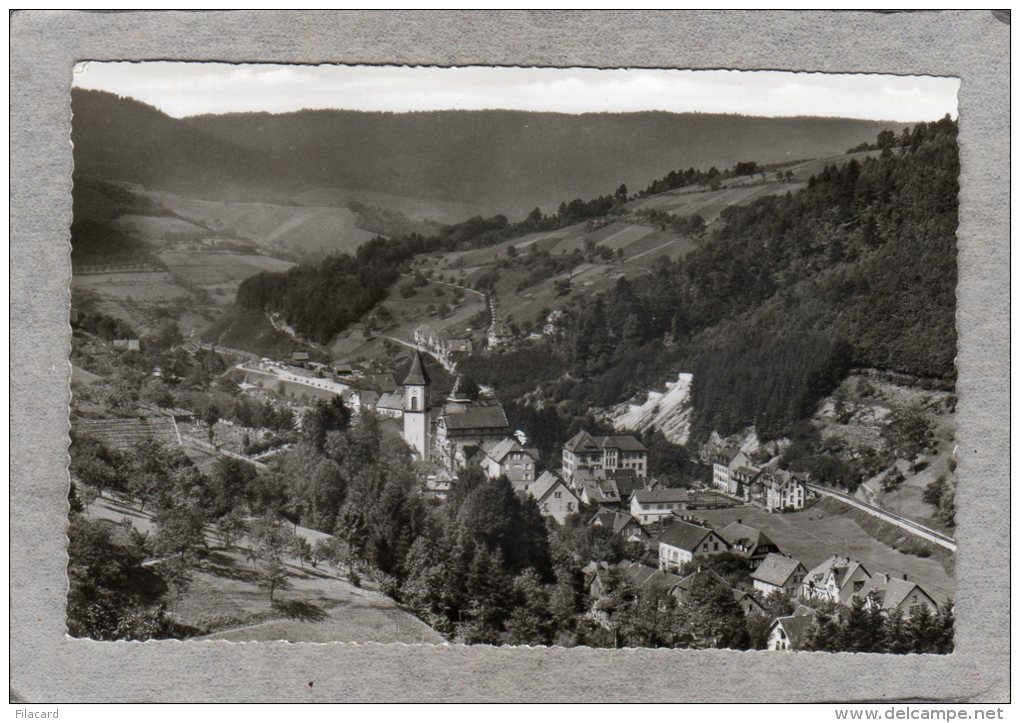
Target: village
column 674, row 536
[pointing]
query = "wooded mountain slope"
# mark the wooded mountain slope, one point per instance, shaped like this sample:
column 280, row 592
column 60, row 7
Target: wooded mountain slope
column 503, row 161
column 771, row 311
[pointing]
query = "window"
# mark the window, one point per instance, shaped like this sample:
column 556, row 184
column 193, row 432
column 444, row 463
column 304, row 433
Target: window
column 704, row 548
column 557, row 494
column 715, row 546
column 858, row 584
column 414, row 404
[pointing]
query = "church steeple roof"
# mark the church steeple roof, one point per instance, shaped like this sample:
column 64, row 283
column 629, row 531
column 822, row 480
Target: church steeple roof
column 416, row 375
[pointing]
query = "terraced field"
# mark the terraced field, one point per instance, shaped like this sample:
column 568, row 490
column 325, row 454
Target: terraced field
column 124, row 433
column 308, row 229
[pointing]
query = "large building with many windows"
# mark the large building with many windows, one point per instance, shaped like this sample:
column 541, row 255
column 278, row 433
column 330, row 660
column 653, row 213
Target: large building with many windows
column 585, row 453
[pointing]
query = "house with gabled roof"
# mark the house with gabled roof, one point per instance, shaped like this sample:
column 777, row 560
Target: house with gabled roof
column 554, row 498
column 791, row 632
column 599, row 492
column 776, row 491
column 509, row 457
column 724, row 463
column 836, row 579
column 682, row 542
column 749, row 543
column 779, row 573
column 622, row 524
column 890, row 593
column 627, row 482
column 651, row 505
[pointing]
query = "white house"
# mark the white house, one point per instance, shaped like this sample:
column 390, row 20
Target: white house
column 791, row 631
column 837, row 579
column 554, row 497
column 508, row 457
column 894, row 593
column 724, row 466
column 776, row 491
column 779, row 573
column 648, row 506
column 682, row 542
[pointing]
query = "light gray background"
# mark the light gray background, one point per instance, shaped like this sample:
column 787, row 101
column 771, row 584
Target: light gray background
column 47, row 666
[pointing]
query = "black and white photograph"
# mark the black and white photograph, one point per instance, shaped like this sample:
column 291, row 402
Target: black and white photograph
column 575, row 357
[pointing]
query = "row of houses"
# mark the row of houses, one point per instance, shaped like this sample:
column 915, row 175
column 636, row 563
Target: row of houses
column 445, row 347
column 837, row 579
column 772, row 489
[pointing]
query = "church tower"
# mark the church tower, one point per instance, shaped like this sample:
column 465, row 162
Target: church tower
column 416, row 407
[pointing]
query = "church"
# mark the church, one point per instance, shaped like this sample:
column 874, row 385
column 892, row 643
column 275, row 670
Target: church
column 450, row 432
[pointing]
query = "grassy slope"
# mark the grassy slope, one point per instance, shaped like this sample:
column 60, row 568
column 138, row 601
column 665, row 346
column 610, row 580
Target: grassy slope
column 318, row 607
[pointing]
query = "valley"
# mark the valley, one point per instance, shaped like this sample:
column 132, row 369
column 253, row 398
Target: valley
column 375, row 367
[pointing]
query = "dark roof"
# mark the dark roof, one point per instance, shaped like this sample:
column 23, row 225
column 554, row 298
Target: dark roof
column 416, row 374
column 581, row 440
column 748, row 537
column 684, row 535
column 775, row 569
column 700, row 577
column 623, row 442
column 726, row 455
column 649, row 577
column 488, row 416
column 615, row 520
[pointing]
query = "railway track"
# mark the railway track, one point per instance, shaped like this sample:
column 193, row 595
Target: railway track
column 939, row 538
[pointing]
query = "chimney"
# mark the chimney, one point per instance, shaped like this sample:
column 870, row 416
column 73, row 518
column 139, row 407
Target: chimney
column 740, row 521
column 904, row 576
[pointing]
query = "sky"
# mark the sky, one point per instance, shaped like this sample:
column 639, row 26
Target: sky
column 185, row 89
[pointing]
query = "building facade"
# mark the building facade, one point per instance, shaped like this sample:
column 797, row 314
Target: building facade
column 586, row 453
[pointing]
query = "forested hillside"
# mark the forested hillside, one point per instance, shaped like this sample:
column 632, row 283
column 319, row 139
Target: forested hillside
column 857, row 269
column 497, row 161
column 511, row 161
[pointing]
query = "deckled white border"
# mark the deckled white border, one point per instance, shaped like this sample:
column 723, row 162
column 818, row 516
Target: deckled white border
column 47, row 666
